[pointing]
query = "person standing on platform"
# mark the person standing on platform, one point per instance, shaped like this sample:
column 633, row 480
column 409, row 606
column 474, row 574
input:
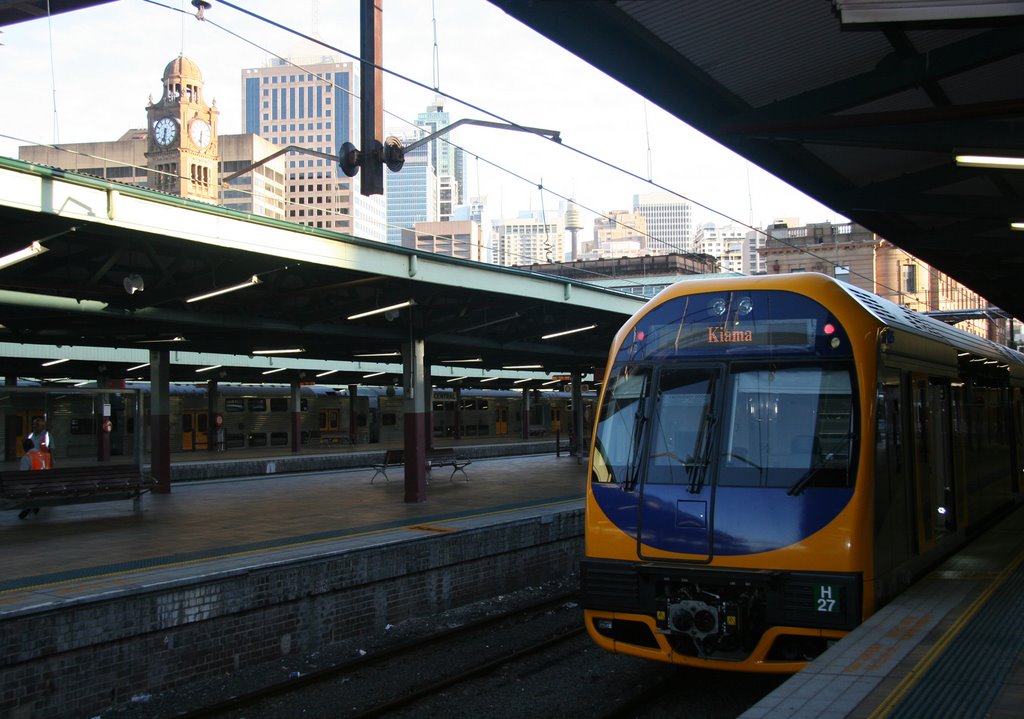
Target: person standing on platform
column 41, row 440
column 32, row 459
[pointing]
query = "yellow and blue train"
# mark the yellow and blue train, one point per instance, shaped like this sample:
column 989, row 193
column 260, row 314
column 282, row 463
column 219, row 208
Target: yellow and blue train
column 776, row 457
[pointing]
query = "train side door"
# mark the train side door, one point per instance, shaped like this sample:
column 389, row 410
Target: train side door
column 501, row 423
column 934, row 494
column 194, row 429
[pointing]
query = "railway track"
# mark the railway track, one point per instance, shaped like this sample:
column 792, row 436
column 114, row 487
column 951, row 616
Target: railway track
column 340, row 672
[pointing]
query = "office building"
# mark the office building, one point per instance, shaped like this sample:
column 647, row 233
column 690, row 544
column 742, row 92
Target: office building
column 669, row 222
column 530, row 237
column 454, row 238
column 411, row 195
column 449, row 160
column 727, row 243
column 311, row 101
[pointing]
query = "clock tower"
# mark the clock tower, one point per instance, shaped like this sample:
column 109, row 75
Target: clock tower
column 181, row 152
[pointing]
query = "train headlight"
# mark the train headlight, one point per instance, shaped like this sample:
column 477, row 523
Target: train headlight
column 744, row 306
column 718, row 307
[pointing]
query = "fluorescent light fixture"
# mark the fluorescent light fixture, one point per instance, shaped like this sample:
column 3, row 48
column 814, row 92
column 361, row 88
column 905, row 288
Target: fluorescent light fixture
column 254, row 280
column 33, row 250
column 207, row 369
column 381, row 310
column 138, row 366
column 179, row 338
column 374, row 374
column 82, row 384
column 330, row 371
column 554, row 381
column 1017, row 225
column 292, row 351
column 1005, row 163
column 380, row 354
column 520, row 381
column 569, row 332
column 490, row 379
column 51, row 363
column 462, row 361
column 273, row 371
column 457, row 379
column 523, row 366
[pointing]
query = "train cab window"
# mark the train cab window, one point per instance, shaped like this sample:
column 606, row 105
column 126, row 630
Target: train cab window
column 788, row 427
column 620, row 429
column 682, row 426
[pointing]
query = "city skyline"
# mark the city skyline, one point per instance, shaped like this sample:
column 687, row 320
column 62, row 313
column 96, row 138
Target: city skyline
column 501, row 67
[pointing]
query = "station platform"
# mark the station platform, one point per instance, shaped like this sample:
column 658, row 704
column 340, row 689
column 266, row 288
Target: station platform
column 71, row 553
column 951, row 646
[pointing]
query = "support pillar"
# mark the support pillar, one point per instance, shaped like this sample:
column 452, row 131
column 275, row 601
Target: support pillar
column 526, row 414
column 353, row 390
column 160, row 419
column 458, row 413
column 415, row 403
column 214, row 429
column 296, row 416
column 577, row 415
column 11, row 427
column 101, row 410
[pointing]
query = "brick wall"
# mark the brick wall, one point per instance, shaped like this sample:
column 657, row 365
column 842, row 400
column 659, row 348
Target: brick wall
column 81, row 658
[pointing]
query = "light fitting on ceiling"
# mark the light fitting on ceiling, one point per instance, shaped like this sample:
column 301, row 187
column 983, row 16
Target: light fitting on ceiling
column 468, row 360
column 1017, row 225
column 138, row 366
column 289, row 351
column 380, row 354
column 568, row 332
column 207, row 369
column 33, row 250
column 994, row 161
column 254, row 280
column 273, row 371
column 133, row 283
column 523, row 366
column 51, row 363
column 373, row 374
column 330, row 371
column 456, row 379
column 383, row 310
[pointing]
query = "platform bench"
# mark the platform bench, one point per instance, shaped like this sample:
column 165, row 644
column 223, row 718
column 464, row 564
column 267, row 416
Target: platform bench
column 392, row 458
column 26, row 489
column 445, row 457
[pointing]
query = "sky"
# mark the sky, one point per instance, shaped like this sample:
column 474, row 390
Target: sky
column 87, row 76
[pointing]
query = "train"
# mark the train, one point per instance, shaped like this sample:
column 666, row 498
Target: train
column 775, row 457
column 256, row 417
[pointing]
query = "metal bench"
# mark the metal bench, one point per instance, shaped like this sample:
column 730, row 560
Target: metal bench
column 445, row 457
column 24, row 490
column 392, row 458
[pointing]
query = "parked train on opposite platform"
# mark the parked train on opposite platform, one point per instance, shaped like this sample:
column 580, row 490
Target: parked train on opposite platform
column 256, row 417
column 776, row 457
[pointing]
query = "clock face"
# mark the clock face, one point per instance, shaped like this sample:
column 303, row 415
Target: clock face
column 200, row 131
column 165, row 130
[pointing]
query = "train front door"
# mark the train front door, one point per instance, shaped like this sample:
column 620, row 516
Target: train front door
column 194, row 430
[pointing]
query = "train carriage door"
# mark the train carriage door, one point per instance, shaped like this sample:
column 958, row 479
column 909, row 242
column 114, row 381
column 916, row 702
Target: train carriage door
column 677, row 495
column 194, row 429
column 934, row 494
column 501, row 423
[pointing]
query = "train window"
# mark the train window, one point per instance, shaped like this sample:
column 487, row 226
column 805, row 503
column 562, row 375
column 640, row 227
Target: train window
column 388, row 419
column 234, row 440
column 619, row 438
column 257, row 439
column 278, row 404
column 682, row 438
column 81, row 425
column 278, row 439
column 788, row 427
column 234, row 404
column 258, row 404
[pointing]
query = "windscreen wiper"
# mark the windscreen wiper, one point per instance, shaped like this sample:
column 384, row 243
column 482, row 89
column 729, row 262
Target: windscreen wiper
column 801, row 484
column 707, row 436
column 634, row 469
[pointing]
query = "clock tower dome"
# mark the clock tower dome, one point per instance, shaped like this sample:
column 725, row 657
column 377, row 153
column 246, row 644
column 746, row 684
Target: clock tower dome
column 181, row 152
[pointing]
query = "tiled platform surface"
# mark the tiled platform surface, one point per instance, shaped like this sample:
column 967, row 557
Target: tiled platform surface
column 76, row 552
column 950, row 646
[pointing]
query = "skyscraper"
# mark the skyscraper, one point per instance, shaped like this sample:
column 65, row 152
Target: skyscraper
column 412, row 194
column 532, row 237
column 449, row 160
column 669, row 222
column 311, row 101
